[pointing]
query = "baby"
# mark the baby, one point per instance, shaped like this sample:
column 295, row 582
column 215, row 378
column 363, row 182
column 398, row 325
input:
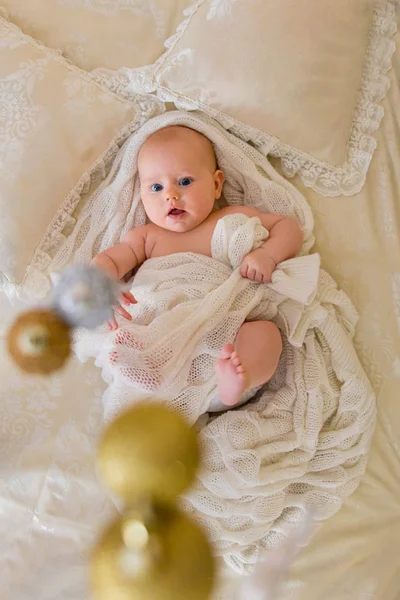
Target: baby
column 180, row 182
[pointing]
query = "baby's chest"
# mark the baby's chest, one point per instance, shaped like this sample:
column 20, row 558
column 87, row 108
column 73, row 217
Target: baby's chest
column 198, row 241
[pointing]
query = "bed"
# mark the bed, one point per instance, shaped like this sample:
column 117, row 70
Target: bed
column 51, row 502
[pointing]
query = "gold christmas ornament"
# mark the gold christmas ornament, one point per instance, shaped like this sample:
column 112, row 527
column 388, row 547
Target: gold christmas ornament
column 39, row 342
column 148, row 452
column 168, row 558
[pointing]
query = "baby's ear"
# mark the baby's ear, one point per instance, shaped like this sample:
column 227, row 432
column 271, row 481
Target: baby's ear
column 219, row 179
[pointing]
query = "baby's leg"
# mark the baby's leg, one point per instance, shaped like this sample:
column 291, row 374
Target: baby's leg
column 250, row 361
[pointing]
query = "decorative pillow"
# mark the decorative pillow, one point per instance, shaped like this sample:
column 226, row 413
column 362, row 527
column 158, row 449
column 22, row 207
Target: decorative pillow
column 59, row 130
column 100, row 33
column 310, row 74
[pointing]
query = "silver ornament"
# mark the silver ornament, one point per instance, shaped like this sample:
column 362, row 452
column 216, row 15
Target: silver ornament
column 84, row 296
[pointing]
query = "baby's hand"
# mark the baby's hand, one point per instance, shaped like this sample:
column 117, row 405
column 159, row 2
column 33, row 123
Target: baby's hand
column 127, row 299
column 258, row 266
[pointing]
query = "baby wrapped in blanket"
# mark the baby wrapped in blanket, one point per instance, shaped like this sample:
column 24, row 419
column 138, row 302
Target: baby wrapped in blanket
column 180, row 183
column 303, row 440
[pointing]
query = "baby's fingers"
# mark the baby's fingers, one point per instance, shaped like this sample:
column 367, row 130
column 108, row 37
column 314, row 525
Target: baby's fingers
column 112, row 323
column 243, row 269
column 128, row 298
column 121, row 311
column 251, row 273
column 267, row 278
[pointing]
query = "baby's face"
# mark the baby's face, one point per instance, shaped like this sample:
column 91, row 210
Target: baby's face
column 179, row 181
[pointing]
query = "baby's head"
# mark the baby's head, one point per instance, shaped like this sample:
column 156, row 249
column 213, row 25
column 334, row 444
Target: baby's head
column 179, row 179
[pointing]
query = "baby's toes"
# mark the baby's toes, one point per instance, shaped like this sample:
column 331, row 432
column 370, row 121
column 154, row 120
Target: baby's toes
column 235, row 359
column 227, row 351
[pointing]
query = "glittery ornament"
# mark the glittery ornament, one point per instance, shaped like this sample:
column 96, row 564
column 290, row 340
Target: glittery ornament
column 149, row 451
column 170, row 559
column 39, row 342
column 84, row 296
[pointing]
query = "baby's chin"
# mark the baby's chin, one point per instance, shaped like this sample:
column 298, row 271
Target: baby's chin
column 179, row 227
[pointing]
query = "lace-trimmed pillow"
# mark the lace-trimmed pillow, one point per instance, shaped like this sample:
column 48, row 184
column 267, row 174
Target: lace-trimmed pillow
column 59, row 130
column 100, row 33
column 308, row 73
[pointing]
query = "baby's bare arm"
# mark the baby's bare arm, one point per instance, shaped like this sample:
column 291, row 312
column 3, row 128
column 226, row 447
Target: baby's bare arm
column 285, row 237
column 120, row 259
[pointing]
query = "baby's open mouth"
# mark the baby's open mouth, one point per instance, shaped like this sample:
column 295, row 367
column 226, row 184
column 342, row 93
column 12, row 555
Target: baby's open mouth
column 174, row 212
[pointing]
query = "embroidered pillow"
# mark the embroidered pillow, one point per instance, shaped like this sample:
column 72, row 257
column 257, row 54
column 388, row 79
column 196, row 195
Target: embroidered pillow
column 301, row 79
column 59, row 130
column 100, row 33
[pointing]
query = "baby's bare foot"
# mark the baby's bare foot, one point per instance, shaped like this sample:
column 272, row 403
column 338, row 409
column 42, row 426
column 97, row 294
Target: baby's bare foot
column 230, row 376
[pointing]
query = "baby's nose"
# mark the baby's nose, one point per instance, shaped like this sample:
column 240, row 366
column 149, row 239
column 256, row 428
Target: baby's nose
column 171, row 194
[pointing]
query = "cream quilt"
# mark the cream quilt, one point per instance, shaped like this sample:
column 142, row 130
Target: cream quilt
column 52, row 504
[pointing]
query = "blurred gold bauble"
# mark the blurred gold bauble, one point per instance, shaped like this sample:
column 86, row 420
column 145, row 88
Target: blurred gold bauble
column 39, row 342
column 170, row 560
column 149, row 451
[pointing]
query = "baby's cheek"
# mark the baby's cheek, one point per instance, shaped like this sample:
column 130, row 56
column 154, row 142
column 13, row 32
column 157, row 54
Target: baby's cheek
column 147, row 205
column 155, row 214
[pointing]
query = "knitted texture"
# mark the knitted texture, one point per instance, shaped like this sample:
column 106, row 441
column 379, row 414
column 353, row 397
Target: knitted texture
column 302, row 442
column 189, row 307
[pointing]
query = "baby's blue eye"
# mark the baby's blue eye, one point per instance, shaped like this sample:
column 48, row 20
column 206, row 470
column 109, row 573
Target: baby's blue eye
column 156, row 187
column 185, row 181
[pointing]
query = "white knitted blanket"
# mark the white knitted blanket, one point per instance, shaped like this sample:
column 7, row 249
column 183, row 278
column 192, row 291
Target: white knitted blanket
column 303, row 441
column 189, row 306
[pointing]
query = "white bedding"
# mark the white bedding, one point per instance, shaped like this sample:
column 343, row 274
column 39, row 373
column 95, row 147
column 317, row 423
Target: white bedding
column 355, row 555
column 51, row 504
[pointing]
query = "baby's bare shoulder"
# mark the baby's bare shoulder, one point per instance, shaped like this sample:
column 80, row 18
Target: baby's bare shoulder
column 268, row 220
column 140, row 238
column 137, row 233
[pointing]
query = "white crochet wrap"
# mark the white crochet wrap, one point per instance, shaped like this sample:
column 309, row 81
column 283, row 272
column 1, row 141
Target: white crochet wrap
column 303, row 441
column 189, row 306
